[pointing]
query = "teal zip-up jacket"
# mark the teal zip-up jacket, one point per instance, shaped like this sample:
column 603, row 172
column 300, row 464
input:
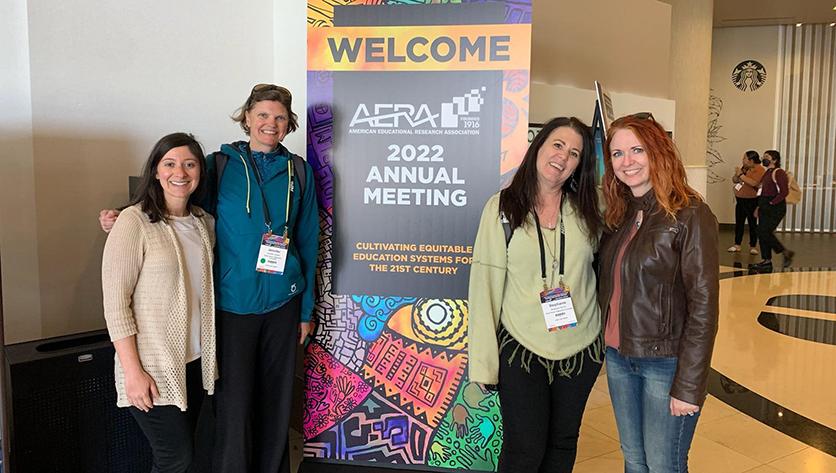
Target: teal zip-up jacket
column 240, row 224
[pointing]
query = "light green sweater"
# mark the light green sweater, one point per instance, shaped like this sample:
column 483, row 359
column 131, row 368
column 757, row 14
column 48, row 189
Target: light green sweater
column 505, row 287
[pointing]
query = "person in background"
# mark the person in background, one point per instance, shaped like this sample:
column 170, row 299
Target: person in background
column 659, row 291
column 747, row 180
column 772, row 208
column 268, row 238
column 535, row 327
column 158, row 295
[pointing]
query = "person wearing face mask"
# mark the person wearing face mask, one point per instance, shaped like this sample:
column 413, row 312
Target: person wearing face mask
column 267, row 227
column 534, row 325
column 772, row 207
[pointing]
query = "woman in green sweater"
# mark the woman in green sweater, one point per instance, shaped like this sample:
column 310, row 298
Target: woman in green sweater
column 535, row 328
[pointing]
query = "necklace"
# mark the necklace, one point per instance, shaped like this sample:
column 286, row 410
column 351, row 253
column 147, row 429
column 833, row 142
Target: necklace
column 551, row 223
column 553, row 254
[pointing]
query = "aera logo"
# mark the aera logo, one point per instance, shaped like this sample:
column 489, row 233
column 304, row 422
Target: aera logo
column 396, row 115
column 389, row 115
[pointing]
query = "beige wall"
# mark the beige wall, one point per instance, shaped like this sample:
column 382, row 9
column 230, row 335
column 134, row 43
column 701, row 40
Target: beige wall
column 18, row 236
column 746, row 119
column 622, row 43
column 104, row 83
column 550, row 101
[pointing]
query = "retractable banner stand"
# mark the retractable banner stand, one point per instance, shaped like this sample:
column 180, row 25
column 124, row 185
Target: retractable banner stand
column 416, row 114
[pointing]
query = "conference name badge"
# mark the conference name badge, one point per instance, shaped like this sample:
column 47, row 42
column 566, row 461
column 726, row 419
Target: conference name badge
column 738, row 186
column 272, row 255
column 558, row 310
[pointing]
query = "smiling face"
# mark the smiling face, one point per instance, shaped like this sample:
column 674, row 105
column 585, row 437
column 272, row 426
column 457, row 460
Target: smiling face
column 179, row 174
column 267, row 121
column 558, row 158
column 630, row 162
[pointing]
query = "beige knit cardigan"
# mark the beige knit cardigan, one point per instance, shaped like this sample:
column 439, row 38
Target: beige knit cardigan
column 145, row 295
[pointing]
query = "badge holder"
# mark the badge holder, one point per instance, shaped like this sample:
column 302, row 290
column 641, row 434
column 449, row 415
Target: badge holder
column 555, row 302
column 272, row 254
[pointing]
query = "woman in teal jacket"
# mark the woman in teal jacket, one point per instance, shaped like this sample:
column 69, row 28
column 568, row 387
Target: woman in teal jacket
column 268, row 236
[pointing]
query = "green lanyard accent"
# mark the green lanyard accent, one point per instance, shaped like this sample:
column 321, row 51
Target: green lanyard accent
column 289, row 197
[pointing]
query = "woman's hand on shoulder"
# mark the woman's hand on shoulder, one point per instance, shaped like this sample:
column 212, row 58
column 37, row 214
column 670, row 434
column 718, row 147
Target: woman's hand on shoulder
column 141, row 389
column 107, row 218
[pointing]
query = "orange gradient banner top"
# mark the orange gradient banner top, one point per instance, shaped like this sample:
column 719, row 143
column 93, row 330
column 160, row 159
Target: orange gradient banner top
column 428, row 48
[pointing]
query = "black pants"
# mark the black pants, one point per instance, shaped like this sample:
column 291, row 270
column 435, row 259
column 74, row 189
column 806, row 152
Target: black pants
column 257, row 355
column 744, row 210
column 170, row 431
column 541, row 421
column 769, row 217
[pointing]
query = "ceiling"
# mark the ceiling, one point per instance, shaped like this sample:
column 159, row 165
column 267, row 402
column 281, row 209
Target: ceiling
column 772, row 12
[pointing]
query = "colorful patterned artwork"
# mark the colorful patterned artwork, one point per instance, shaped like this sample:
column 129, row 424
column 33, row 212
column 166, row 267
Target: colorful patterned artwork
column 386, row 375
column 422, row 381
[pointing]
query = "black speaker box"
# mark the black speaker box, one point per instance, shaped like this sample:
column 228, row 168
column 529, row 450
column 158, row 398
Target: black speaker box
column 61, row 409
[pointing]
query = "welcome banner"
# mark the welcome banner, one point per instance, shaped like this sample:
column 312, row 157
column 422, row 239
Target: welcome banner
column 416, row 114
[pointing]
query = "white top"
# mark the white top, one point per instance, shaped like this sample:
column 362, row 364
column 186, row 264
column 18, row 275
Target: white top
column 191, row 245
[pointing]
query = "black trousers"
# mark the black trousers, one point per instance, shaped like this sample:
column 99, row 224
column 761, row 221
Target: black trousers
column 744, row 210
column 769, row 217
column 541, row 421
column 257, row 355
column 170, row 431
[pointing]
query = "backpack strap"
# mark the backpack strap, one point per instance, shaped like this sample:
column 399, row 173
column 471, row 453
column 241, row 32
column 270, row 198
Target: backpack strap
column 299, row 170
column 220, row 159
column 774, row 179
column 506, row 227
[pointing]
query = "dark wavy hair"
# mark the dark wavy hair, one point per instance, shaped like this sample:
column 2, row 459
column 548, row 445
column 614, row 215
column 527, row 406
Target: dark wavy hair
column 150, row 194
column 753, row 156
column 774, row 155
column 519, row 198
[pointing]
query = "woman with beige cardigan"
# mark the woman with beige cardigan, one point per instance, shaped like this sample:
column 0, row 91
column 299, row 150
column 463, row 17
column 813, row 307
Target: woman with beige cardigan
column 159, row 301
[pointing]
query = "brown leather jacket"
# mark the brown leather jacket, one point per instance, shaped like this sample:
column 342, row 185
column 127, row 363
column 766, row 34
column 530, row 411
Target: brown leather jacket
column 670, row 286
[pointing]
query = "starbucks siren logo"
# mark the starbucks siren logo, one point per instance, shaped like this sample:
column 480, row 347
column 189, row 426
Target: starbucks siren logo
column 749, row 75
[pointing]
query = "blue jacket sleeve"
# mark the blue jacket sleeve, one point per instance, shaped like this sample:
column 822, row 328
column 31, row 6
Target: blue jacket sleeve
column 307, row 242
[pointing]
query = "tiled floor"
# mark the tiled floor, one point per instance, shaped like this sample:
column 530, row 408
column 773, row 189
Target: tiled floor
column 726, row 441
column 778, row 363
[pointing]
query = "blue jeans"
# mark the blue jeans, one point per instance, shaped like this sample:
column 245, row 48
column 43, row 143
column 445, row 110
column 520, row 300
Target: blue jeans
column 652, row 440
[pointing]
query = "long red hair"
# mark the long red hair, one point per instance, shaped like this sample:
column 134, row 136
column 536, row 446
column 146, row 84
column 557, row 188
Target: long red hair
column 667, row 174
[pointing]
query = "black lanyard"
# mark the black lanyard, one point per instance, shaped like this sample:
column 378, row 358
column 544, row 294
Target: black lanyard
column 543, row 248
column 260, row 180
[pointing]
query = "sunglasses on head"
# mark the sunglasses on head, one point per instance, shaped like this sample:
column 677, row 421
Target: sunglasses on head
column 266, row 87
column 643, row 116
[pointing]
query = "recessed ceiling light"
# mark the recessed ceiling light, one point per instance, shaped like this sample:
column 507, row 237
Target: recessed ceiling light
column 798, row 25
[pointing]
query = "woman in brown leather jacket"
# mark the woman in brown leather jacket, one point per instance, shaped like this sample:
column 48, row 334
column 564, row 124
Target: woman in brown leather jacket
column 658, row 295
